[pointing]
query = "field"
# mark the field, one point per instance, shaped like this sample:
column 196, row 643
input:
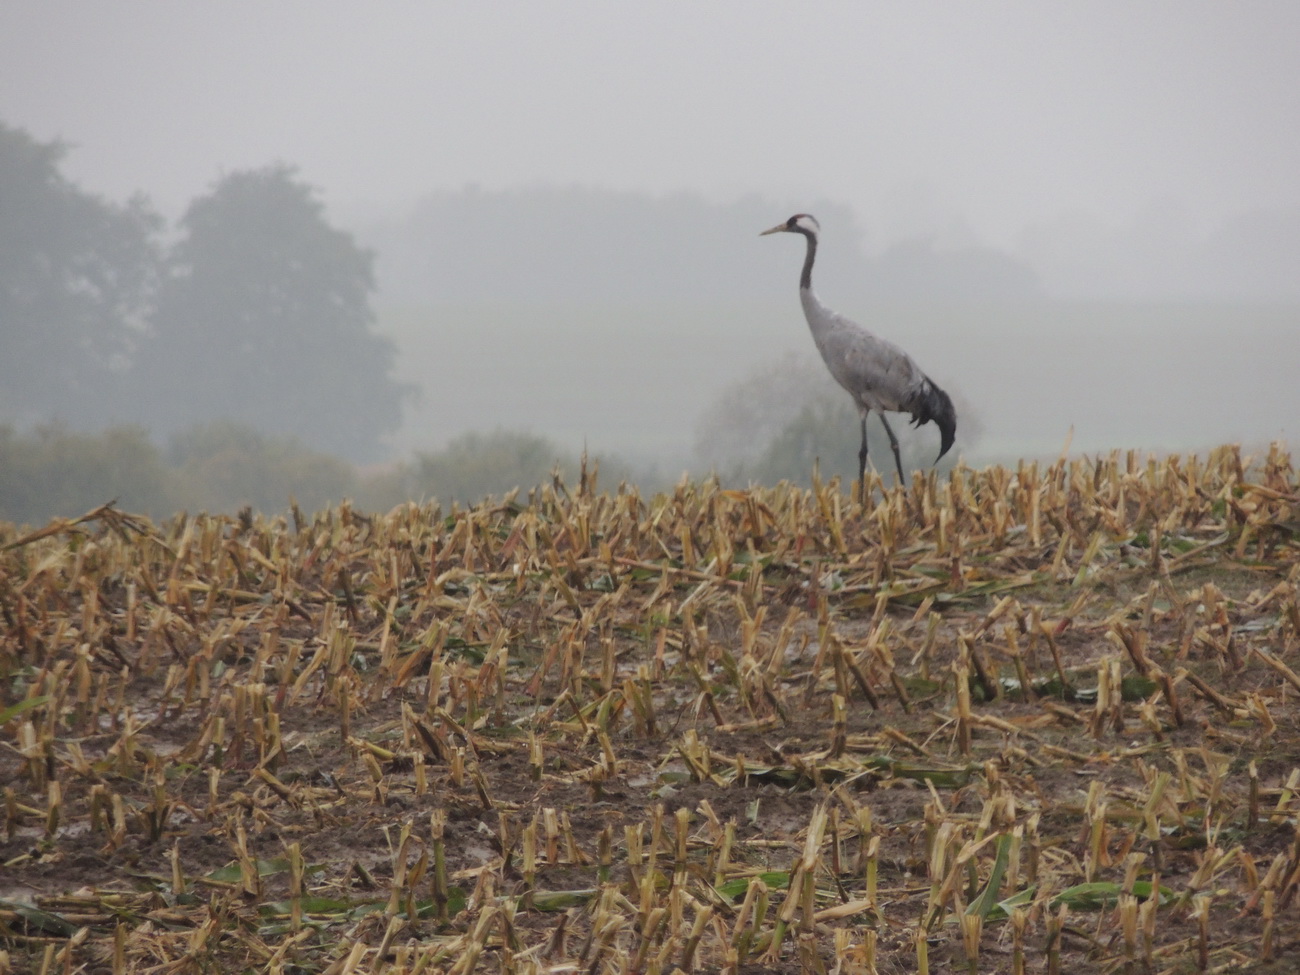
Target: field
column 1033, row 719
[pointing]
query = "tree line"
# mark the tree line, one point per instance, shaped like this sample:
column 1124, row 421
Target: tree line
column 50, row 471
column 252, row 309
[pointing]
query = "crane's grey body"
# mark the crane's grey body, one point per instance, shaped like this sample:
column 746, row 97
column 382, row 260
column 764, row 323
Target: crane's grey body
column 876, row 373
column 879, row 375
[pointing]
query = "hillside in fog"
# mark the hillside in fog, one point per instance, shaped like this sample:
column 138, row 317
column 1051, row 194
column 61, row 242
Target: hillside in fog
column 618, row 318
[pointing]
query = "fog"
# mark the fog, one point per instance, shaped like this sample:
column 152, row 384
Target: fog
column 1076, row 216
column 949, row 117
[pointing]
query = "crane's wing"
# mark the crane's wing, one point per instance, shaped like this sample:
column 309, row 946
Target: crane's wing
column 881, row 376
column 876, row 372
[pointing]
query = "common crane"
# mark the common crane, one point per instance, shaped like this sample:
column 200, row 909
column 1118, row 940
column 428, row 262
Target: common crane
column 877, row 374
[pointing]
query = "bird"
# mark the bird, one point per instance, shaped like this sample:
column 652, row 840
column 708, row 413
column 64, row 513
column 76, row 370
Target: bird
column 879, row 375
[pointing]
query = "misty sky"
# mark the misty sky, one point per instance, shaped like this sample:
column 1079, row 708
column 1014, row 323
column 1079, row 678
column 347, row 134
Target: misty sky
column 968, row 119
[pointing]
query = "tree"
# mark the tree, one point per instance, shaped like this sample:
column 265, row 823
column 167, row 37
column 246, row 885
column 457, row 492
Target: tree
column 264, row 318
column 75, row 277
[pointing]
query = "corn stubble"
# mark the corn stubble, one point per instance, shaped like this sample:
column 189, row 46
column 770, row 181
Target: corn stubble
column 1041, row 719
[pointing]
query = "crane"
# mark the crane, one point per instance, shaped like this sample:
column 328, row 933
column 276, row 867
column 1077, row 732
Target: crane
column 877, row 374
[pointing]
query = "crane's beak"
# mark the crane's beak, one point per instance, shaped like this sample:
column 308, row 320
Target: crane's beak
column 774, row 230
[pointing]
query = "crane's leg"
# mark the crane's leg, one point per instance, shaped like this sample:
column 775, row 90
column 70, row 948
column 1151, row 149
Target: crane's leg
column 893, row 445
column 862, row 460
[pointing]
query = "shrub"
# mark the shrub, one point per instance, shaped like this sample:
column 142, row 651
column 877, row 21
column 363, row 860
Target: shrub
column 225, row 466
column 477, row 464
column 51, row 472
column 774, row 423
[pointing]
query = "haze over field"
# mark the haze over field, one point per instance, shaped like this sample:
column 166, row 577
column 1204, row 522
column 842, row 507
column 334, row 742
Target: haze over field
column 1074, row 215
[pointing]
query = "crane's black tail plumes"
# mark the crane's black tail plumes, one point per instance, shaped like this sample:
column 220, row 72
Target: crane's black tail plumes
column 932, row 403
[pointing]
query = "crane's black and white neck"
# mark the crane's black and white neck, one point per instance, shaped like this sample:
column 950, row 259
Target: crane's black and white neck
column 876, row 373
column 801, row 223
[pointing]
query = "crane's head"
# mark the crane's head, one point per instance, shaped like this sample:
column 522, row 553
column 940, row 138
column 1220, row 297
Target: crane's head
column 800, row 223
column 934, row 404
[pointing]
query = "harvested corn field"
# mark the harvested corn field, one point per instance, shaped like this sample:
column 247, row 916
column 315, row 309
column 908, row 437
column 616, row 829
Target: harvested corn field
column 1042, row 719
